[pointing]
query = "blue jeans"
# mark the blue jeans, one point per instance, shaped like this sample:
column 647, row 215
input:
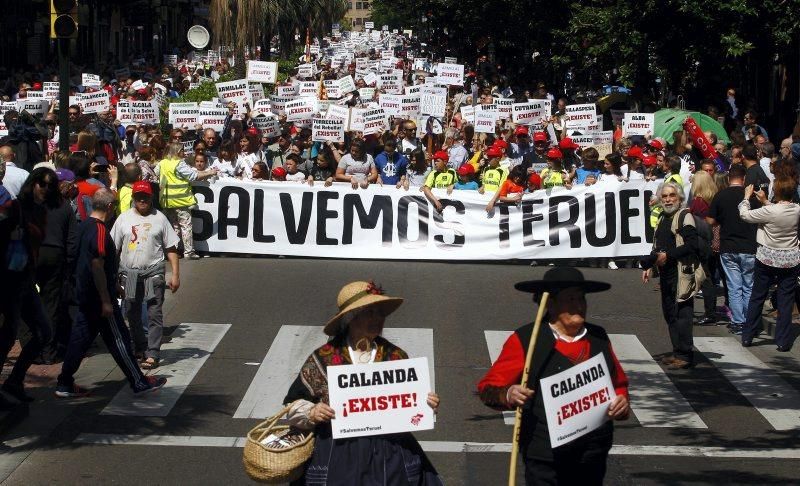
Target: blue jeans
column 786, row 279
column 739, row 270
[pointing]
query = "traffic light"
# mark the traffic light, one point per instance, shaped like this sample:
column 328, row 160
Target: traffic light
column 63, row 19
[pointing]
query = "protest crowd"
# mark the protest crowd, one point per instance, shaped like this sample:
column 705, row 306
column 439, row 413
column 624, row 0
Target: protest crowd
column 111, row 217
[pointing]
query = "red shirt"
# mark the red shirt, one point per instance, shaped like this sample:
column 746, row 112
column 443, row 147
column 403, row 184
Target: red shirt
column 510, row 187
column 507, row 370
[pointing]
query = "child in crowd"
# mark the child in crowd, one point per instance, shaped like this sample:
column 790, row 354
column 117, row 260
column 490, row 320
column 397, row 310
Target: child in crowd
column 555, row 175
column 224, row 163
column 590, row 157
column 200, row 161
column 534, row 183
column 321, row 169
column 293, row 174
column 260, row 172
column 278, row 173
column 465, row 179
column 512, row 188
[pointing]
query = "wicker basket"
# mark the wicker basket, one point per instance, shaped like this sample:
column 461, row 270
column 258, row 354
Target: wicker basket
column 275, row 465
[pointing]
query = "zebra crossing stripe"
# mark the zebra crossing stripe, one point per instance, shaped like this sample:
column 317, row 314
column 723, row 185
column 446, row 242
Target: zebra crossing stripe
column 495, row 341
column 289, row 350
column 655, row 401
column 448, row 446
column 774, row 399
column 182, row 358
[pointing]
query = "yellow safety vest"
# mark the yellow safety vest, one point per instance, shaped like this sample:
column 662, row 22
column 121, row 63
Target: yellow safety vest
column 492, row 178
column 175, row 192
column 551, row 178
column 125, row 199
column 441, row 180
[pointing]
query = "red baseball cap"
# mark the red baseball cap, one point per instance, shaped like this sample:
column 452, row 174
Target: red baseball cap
column 635, row 152
column 37, row 86
column 656, row 144
column 539, row 137
column 494, row 152
column 253, row 131
column 466, row 169
column 566, row 143
column 501, row 144
column 278, row 172
column 649, row 160
column 441, row 155
column 536, row 180
column 554, row 153
column 521, row 130
column 142, row 187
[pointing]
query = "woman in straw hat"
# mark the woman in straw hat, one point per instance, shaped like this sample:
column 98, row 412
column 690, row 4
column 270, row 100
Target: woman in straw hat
column 355, row 332
column 567, row 341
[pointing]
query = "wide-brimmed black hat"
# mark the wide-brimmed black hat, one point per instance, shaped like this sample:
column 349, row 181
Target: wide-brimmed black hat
column 560, row 278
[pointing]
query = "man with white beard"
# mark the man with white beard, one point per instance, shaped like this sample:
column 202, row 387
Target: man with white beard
column 665, row 258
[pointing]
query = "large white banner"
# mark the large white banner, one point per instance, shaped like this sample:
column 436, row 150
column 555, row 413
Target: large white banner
column 380, row 398
column 608, row 219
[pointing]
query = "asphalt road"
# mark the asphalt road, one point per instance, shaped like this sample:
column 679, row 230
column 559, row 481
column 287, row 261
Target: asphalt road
column 76, row 442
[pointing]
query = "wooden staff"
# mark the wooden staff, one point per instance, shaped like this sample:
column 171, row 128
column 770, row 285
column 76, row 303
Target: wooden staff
column 512, row 469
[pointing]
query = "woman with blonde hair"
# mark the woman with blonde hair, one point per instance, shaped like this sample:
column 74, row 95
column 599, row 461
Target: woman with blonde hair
column 703, row 191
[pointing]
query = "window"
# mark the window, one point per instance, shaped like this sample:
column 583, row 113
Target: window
column 358, row 21
column 361, row 5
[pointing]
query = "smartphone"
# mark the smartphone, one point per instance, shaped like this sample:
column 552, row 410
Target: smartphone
column 101, row 168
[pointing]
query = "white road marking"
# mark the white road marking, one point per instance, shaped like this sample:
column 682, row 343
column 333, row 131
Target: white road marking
column 655, row 400
column 288, row 352
column 181, row 358
column 495, row 341
column 774, row 399
column 449, row 446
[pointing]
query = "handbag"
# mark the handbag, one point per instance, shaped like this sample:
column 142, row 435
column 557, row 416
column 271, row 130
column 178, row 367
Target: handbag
column 280, row 460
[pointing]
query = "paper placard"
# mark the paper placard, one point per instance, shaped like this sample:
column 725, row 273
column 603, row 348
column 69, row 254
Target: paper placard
column 269, row 125
column 369, row 25
column 237, row 91
column 468, row 114
column 300, row 109
column 529, row 113
column 171, row 59
column 388, row 397
column 450, row 60
column 485, row 121
column 307, row 88
column 390, row 83
column 213, row 118
column 50, row 90
column 183, row 115
column 370, row 79
column 638, row 124
column 357, row 119
column 338, row 112
column 98, row 102
column 580, row 116
column 38, row 107
column 332, row 89
column 305, row 71
column 410, row 105
column 262, row 71
column 450, row 74
column 374, row 121
column 504, row 108
column 278, row 104
column 327, row 130
column 346, row 84
column 391, row 104
column 366, row 94
column 137, row 112
column 432, row 104
column 256, row 92
column 576, row 400
column 605, row 137
column 91, row 80
column 287, row 90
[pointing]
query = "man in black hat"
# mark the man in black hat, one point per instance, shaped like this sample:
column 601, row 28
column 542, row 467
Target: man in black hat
column 565, row 340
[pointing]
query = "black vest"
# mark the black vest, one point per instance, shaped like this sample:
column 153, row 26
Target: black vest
column 534, row 441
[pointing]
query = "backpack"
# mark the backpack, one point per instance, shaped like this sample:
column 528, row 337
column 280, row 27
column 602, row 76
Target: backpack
column 690, row 269
column 705, row 236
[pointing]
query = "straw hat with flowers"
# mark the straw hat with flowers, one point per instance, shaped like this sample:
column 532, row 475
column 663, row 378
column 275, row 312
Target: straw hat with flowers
column 358, row 296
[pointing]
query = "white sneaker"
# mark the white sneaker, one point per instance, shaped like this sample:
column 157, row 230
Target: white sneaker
column 612, row 265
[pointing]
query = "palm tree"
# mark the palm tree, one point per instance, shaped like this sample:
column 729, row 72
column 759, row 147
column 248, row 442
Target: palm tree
column 245, row 24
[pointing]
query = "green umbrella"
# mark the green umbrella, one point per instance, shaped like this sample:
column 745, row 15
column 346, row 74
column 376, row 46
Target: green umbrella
column 670, row 120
